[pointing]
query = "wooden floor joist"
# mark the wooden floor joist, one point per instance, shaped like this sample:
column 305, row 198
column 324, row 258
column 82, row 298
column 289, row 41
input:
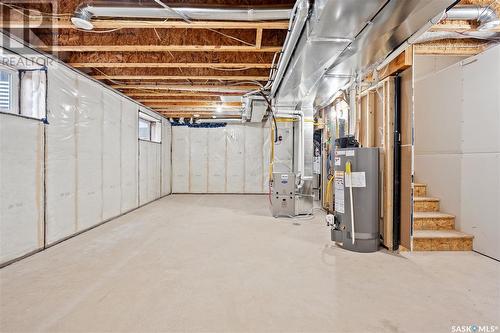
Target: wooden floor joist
column 181, row 77
column 159, row 94
column 158, row 48
column 38, row 23
column 449, row 49
column 206, row 88
column 212, row 105
column 168, row 65
column 197, row 108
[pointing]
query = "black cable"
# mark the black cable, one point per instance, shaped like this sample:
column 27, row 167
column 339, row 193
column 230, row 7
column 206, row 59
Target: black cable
column 270, row 109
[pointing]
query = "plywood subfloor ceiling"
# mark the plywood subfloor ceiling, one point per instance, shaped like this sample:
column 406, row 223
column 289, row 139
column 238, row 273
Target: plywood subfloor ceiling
column 177, row 68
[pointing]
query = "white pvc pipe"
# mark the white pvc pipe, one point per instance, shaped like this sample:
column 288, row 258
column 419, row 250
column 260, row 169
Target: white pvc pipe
column 353, row 232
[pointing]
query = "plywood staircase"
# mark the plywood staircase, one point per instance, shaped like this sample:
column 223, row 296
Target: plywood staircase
column 433, row 230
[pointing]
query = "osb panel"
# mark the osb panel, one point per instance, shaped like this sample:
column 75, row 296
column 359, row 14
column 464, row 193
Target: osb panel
column 406, row 201
column 442, row 244
column 168, row 57
column 434, row 223
column 420, row 190
column 70, row 37
column 426, row 206
column 178, row 71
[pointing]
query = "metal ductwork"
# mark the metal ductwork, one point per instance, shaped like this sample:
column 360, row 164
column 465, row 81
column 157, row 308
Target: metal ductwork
column 487, row 17
column 86, row 12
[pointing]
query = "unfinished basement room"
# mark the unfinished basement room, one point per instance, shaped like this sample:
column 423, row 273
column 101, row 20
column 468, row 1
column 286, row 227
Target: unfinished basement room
column 250, row 166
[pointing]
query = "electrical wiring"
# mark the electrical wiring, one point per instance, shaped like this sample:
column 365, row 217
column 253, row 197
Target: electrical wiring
column 231, row 37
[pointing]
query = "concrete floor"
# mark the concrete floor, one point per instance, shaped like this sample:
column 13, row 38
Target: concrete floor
column 221, row 264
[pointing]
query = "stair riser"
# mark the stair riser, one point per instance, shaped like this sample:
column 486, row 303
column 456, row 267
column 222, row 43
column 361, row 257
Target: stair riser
column 426, row 206
column 434, row 224
column 442, row 244
column 420, row 191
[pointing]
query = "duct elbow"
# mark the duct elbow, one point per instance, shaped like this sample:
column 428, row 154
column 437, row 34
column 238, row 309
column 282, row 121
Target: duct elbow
column 82, row 18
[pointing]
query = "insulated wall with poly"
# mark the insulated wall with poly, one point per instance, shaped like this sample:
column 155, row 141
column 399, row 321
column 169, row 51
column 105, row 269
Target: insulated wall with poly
column 61, row 152
column 21, row 186
column 89, row 138
column 180, row 159
column 216, row 138
column 253, row 158
column 266, row 155
column 199, row 160
column 166, row 157
column 129, row 156
column 283, row 148
column 235, row 172
column 111, row 156
column 149, row 171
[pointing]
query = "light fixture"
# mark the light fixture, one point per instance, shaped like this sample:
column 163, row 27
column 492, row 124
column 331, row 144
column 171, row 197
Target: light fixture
column 196, row 115
column 82, row 19
column 219, row 108
column 214, row 117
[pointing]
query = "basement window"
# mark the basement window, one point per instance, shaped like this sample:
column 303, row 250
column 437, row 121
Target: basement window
column 149, row 128
column 8, row 91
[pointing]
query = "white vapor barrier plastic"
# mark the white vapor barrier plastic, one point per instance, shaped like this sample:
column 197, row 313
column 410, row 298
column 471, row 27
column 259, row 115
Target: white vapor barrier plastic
column 166, row 157
column 235, row 172
column 266, row 155
column 180, row 159
column 129, row 156
column 92, row 154
column 61, row 154
column 283, row 150
column 78, row 169
column 199, row 163
column 230, row 159
column 21, row 186
column 111, row 155
column 216, row 160
column 89, row 129
column 149, row 171
column 254, row 136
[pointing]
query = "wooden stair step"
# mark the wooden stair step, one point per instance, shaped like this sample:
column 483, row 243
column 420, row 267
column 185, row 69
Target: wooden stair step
column 425, row 204
column 433, row 221
column 419, row 189
column 441, row 240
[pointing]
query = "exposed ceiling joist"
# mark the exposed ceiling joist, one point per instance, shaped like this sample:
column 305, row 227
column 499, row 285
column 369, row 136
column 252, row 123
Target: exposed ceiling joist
column 206, row 88
column 168, row 65
column 196, row 108
column 449, row 49
column 181, row 77
column 173, row 94
column 158, row 48
column 39, row 23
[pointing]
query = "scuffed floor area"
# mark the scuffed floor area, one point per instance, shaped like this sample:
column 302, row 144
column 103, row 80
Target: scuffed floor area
column 220, row 263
